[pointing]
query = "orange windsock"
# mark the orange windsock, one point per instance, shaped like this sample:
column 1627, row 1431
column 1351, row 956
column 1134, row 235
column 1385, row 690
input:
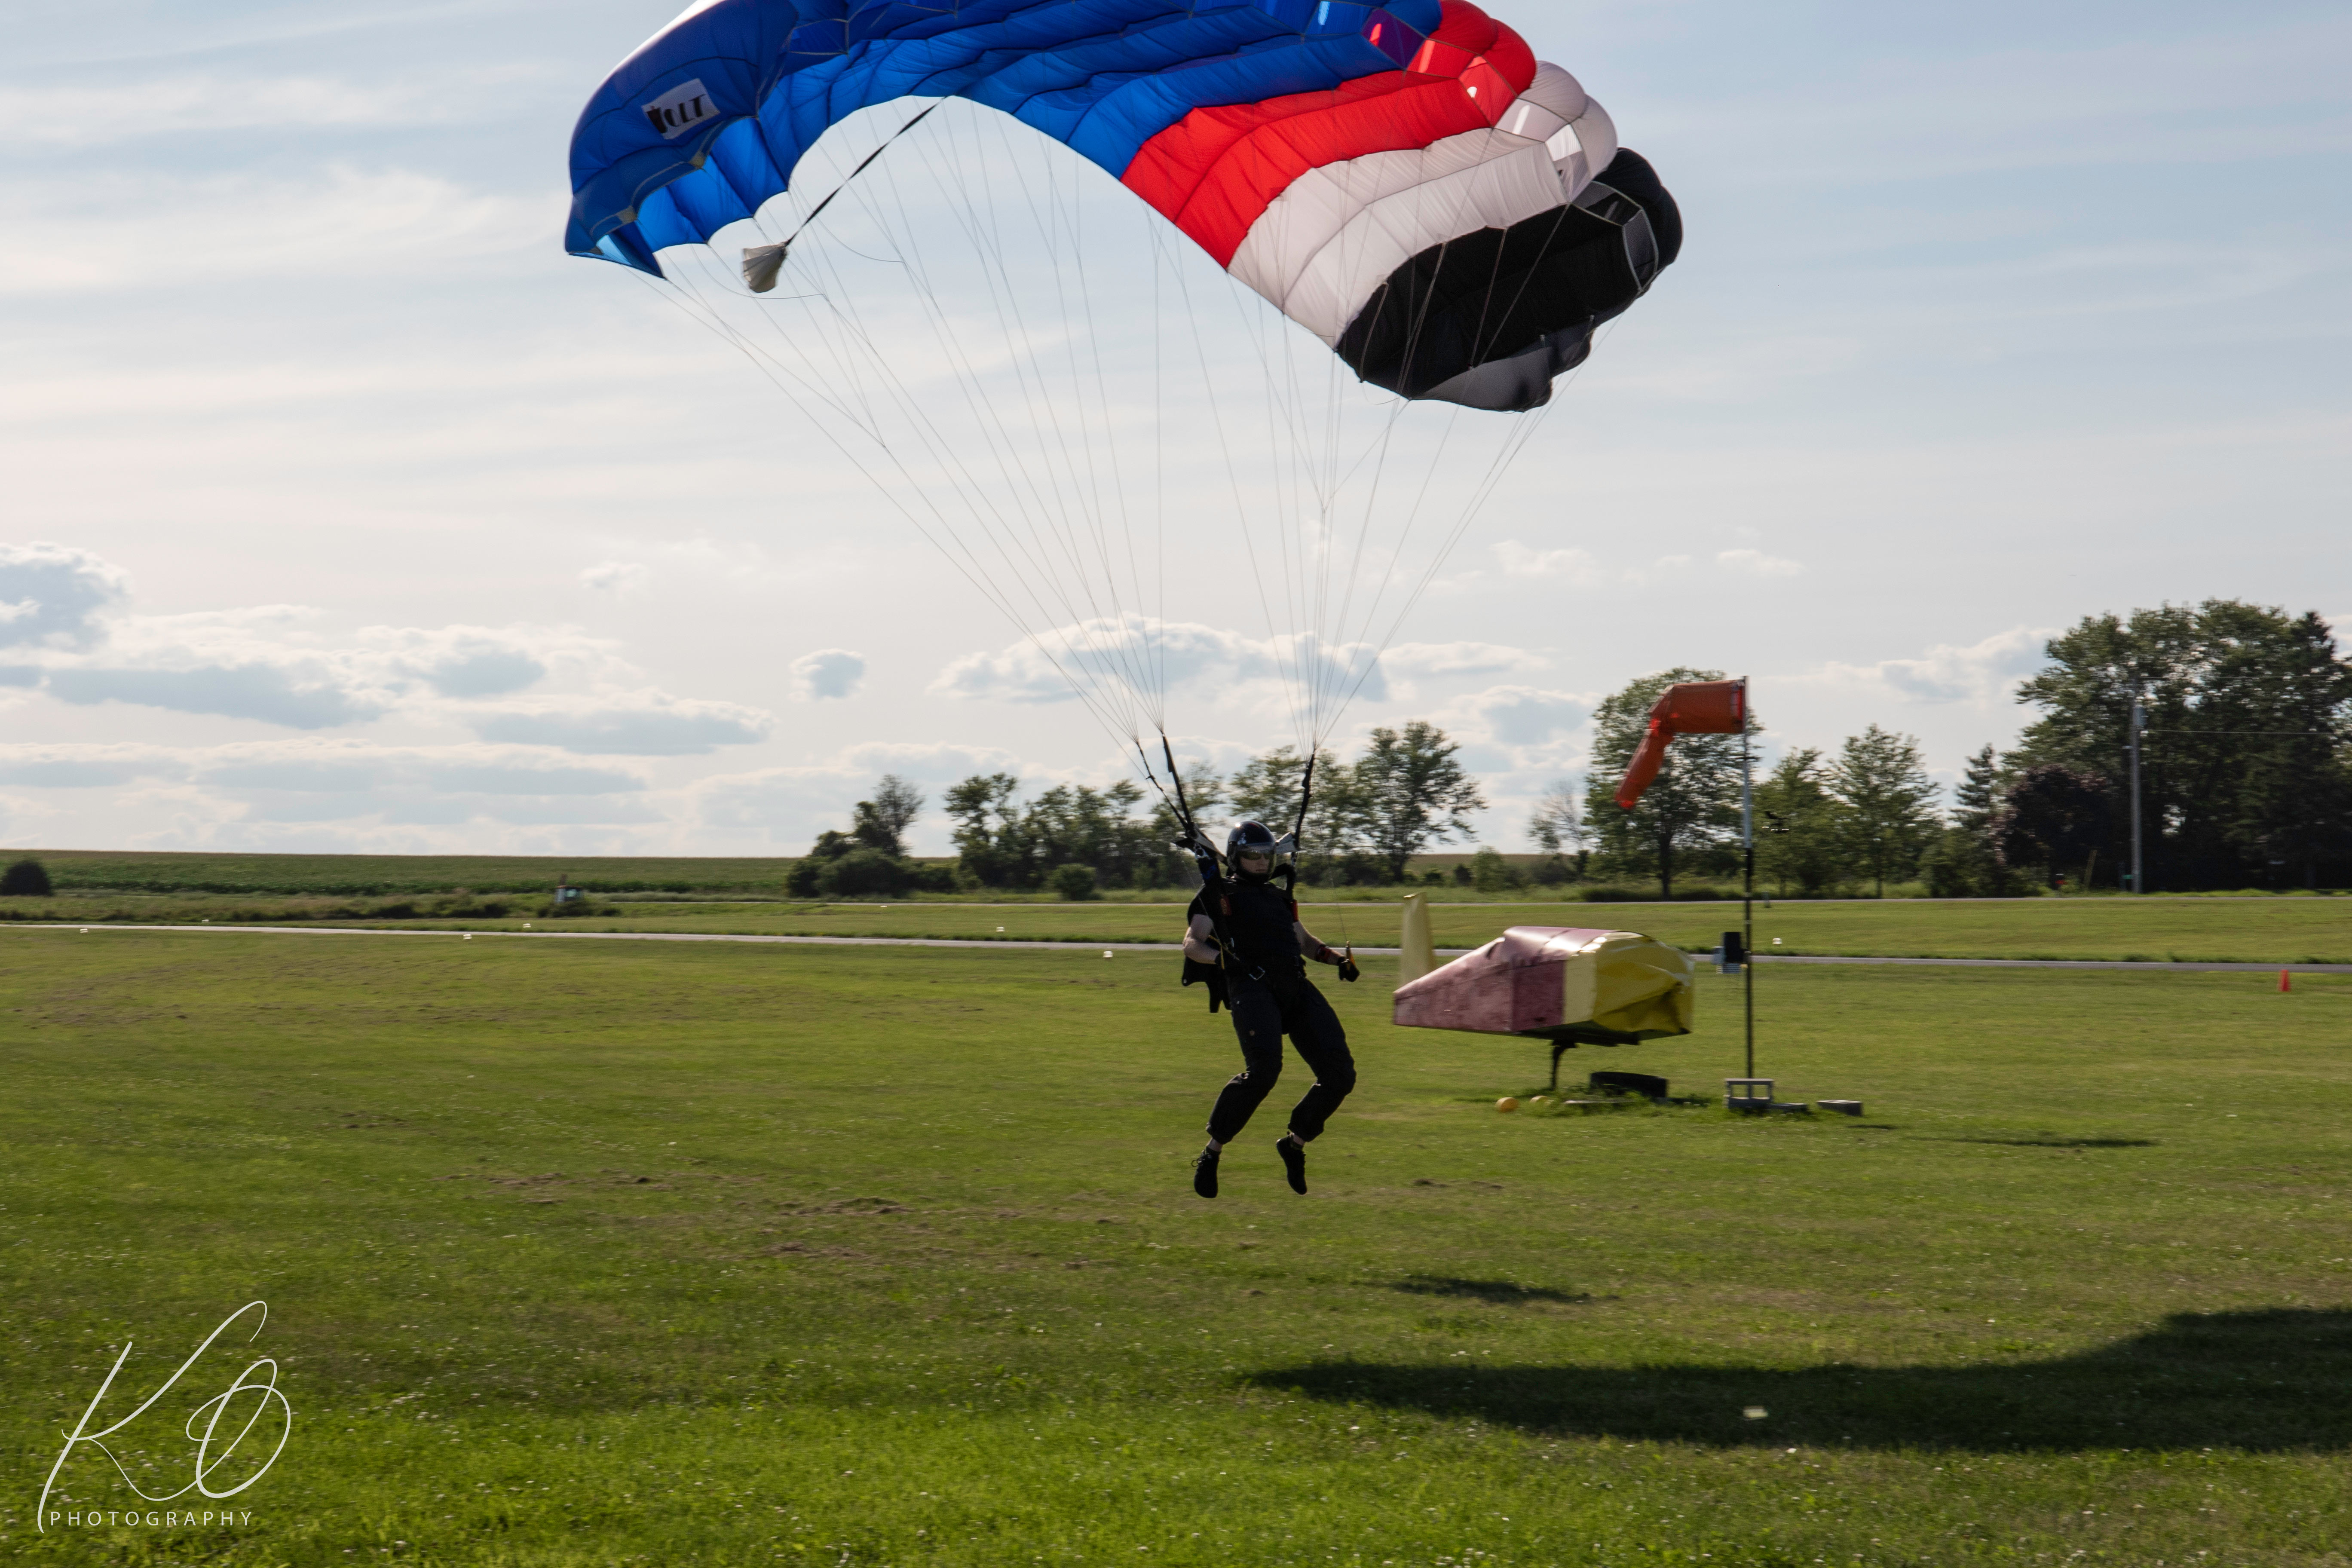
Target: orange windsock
column 1647, row 760
column 1692, row 707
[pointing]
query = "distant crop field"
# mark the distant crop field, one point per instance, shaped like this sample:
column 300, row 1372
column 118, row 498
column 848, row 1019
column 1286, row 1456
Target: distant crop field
column 582, row 1254
column 80, row 870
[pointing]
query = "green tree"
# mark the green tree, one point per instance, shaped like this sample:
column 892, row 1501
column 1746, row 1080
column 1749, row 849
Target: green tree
column 1964, row 862
column 2057, row 819
column 992, row 849
column 1690, row 812
column 1332, row 846
column 2218, row 800
column 882, row 823
column 2295, row 803
column 1559, row 831
column 1203, row 791
column 1076, row 825
column 1976, row 800
column 1412, row 792
column 1800, row 836
column 1887, row 804
column 1490, row 873
column 1001, row 843
column 25, row 879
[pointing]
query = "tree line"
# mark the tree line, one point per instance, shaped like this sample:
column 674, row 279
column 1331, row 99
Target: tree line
column 1366, row 818
column 2246, row 780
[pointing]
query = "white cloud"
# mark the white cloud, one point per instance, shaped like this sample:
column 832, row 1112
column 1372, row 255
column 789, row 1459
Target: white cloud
column 484, row 661
column 2259, row 92
column 827, row 672
column 273, row 663
column 785, row 808
column 1117, row 656
column 87, row 766
column 275, row 696
column 618, row 578
column 52, row 594
column 277, row 664
column 344, row 781
column 1981, row 672
column 78, row 115
column 1443, row 658
column 1755, row 563
column 1520, row 715
column 1522, row 561
column 313, row 766
column 101, row 233
column 926, row 763
column 645, row 724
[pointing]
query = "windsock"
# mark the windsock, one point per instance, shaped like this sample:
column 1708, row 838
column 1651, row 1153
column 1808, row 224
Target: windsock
column 1693, row 708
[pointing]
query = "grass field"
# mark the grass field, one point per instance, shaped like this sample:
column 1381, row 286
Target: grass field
column 2260, row 931
column 620, row 1253
column 2252, row 931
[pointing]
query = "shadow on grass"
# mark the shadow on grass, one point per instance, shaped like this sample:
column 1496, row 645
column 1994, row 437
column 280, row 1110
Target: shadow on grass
column 1501, row 1292
column 2056, row 1143
column 2267, row 1381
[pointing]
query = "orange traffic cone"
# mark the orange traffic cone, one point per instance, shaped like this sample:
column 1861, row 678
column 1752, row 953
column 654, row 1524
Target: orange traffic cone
column 2284, row 984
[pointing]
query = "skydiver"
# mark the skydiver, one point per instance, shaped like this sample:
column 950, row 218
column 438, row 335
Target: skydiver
column 1254, row 937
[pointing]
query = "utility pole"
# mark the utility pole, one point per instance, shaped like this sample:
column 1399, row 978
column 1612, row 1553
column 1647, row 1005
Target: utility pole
column 2138, row 722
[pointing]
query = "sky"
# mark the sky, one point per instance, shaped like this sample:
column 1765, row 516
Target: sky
column 345, row 511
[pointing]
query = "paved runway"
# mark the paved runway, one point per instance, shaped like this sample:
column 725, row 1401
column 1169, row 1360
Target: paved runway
column 1165, row 947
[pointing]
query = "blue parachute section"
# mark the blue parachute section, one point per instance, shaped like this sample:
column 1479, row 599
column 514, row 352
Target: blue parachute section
column 709, row 119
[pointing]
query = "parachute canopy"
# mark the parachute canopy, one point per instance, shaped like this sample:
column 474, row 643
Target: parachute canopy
column 1451, row 216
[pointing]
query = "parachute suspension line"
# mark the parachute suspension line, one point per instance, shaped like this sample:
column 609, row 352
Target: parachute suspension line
column 1046, row 512
column 1159, row 486
column 969, row 492
column 815, row 211
column 782, row 383
column 1305, row 795
column 1357, row 674
column 1074, row 251
column 1233, row 477
column 1110, row 636
column 1044, row 500
column 1045, row 503
column 1523, row 432
column 944, row 537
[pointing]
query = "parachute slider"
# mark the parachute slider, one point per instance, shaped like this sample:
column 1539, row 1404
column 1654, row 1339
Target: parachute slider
column 761, row 263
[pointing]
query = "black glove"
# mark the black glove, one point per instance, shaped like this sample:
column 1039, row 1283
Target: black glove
column 1348, row 970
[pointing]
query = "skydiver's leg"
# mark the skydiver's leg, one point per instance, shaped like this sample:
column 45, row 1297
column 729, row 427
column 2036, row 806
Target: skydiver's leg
column 1322, row 1044
column 1257, row 1023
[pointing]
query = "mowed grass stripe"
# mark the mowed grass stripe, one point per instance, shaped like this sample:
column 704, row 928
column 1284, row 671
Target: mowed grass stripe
column 586, row 1252
column 2241, row 931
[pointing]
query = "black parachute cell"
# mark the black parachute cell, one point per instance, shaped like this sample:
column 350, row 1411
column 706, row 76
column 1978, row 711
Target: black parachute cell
column 1489, row 317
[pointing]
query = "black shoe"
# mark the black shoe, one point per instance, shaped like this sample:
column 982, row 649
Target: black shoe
column 1204, row 1172
column 1294, row 1162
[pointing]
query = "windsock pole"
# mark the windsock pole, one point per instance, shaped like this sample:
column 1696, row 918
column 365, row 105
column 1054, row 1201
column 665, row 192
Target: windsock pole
column 1709, row 708
column 1748, row 871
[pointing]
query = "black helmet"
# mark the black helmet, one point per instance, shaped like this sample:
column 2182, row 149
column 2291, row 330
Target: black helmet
column 1251, row 838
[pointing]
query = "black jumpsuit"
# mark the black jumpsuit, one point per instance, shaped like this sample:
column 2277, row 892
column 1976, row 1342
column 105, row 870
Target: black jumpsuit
column 1270, row 994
